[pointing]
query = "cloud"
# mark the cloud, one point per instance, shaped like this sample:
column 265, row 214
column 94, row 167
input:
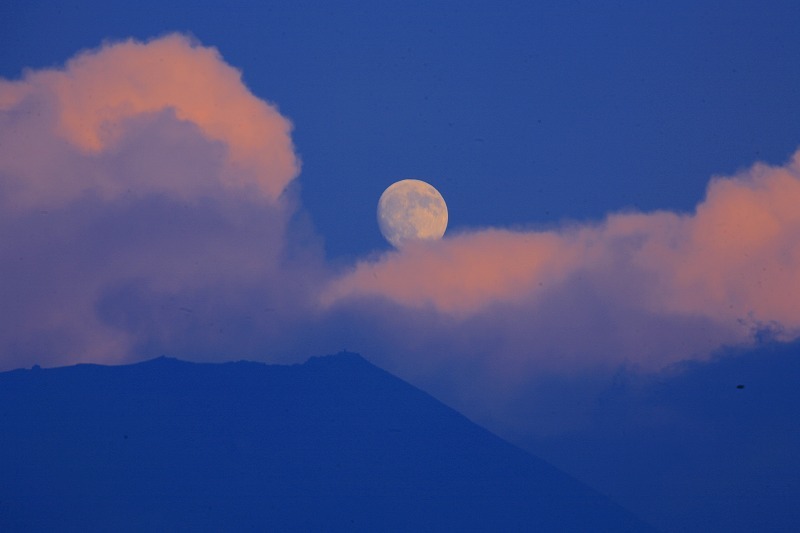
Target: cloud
column 147, row 166
column 83, row 115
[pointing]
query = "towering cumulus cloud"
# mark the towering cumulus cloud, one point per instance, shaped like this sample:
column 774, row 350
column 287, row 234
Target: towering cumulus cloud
column 135, row 183
column 90, row 108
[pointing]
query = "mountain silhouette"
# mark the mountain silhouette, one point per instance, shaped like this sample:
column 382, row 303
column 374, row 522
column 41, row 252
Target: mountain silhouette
column 334, row 444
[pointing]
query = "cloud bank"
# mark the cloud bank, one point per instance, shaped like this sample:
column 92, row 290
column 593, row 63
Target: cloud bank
column 732, row 266
column 147, row 209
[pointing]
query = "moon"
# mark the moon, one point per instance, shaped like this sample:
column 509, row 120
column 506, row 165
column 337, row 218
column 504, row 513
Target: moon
column 411, row 210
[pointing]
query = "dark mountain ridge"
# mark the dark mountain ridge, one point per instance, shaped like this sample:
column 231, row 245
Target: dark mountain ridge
column 332, row 444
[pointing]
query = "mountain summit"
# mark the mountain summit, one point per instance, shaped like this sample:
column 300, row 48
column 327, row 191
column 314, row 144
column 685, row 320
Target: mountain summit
column 333, row 444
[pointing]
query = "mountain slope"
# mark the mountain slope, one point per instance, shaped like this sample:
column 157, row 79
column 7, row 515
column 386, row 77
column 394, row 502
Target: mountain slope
column 333, row 444
column 704, row 446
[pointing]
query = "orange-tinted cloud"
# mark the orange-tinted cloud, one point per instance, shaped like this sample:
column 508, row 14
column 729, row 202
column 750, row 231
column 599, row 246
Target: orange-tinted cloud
column 463, row 274
column 734, row 262
column 738, row 257
column 92, row 103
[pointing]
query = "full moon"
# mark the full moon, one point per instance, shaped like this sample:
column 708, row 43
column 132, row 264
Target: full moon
column 411, row 210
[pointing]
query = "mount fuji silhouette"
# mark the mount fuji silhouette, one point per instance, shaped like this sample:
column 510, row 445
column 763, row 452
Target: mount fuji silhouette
column 334, row 444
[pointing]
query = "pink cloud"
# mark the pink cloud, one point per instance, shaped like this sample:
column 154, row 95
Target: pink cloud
column 146, row 165
column 86, row 108
column 733, row 264
column 463, row 274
